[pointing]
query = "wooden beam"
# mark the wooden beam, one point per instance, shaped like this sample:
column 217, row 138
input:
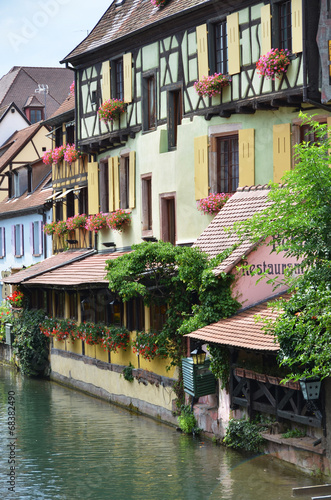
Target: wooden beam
column 245, row 110
column 282, row 103
column 225, row 113
column 305, row 491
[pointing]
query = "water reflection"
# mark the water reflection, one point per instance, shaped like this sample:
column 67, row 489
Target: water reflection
column 72, row 446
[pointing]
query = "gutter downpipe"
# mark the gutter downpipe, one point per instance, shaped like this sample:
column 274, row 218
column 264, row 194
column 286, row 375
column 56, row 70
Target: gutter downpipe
column 305, row 97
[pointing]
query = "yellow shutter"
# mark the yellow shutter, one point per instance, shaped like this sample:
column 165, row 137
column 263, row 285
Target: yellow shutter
column 111, row 185
column 296, row 26
column 93, row 187
column 116, row 177
column 127, row 66
column 246, row 157
column 202, row 48
column 233, row 43
column 282, row 150
column 132, row 179
column 265, row 29
column 201, row 167
column 105, row 81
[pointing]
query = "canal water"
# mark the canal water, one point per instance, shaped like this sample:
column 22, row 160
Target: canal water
column 60, row 444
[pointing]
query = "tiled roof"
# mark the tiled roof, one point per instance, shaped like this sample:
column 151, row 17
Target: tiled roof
column 47, row 265
column 21, row 82
column 241, row 330
column 67, row 105
column 27, row 201
column 132, row 15
column 90, row 270
column 17, row 141
column 242, row 205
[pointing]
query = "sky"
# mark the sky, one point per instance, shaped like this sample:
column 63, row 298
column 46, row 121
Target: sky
column 42, row 32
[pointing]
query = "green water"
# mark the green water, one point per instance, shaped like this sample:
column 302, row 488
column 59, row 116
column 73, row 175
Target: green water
column 67, row 445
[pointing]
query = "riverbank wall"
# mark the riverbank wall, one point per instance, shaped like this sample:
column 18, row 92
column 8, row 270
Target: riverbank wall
column 149, row 393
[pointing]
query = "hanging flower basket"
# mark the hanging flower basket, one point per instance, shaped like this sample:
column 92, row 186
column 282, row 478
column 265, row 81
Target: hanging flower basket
column 71, row 154
column 72, row 88
column 47, row 157
column 273, row 64
column 213, row 203
column 58, row 154
column 119, row 220
column 158, row 3
column 61, row 228
column 96, row 222
column 50, row 228
column 76, row 222
column 110, row 110
column 211, row 85
column 15, row 299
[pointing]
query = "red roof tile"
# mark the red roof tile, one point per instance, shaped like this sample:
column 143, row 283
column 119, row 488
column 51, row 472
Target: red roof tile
column 242, row 205
column 89, row 270
column 131, row 16
column 46, row 265
column 241, row 330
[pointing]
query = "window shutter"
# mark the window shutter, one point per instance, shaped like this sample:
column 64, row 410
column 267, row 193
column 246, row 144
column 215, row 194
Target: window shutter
column 116, row 178
column 93, row 187
column 246, row 157
column 132, row 179
column 296, row 26
column 233, row 43
column 127, row 70
column 201, row 167
column 202, row 49
column 265, row 29
column 105, row 86
column 3, row 242
column 281, row 149
column 13, row 239
column 111, row 184
column 22, row 239
column 41, row 237
column 32, row 246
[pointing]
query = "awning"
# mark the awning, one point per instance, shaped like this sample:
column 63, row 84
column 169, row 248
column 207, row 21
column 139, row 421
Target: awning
column 241, row 330
column 64, row 194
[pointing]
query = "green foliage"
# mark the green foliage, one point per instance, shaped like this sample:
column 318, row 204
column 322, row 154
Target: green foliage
column 187, row 421
column 298, row 221
column 245, row 435
column 31, row 346
column 181, row 278
column 220, row 363
column 5, row 317
column 149, row 345
column 127, row 372
column 294, row 433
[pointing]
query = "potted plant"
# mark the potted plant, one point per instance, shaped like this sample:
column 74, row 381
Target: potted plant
column 58, row 154
column 118, row 220
column 96, row 222
column 115, row 338
column 71, row 154
column 76, row 222
column 15, row 299
column 111, row 109
column 211, row 85
column 47, row 157
column 50, row 228
column 72, row 88
column 61, row 228
column 273, row 64
column 213, row 203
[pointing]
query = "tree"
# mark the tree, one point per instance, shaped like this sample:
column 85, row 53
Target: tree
column 298, row 219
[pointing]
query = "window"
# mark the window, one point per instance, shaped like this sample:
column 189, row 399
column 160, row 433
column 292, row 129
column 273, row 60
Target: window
column 285, row 25
column 70, row 132
column 35, row 115
column 59, row 209
column 149, row 102
column 17, row 240
column 73, row 313
column 83, row 201
column 58, row 137
column 168, row 217
column 20, row 181
column 135, row 314
column 36, row 237
column 174, row 116
column 158, row 316
column 221, row 48
column 59, row 304
column 146, row 188
column 70, row 204
column 103, row 187
column 227, row 171
column 124, row 181
column 2, row 242
column 117, row 75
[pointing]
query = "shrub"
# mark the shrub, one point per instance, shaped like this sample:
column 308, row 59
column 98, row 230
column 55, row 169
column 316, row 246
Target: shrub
column 187, row 421
column 245, row 435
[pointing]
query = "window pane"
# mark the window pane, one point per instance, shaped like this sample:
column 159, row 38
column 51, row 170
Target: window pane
column 221, row 50
column 227, row 164
column 119, row 79
column 285, row 28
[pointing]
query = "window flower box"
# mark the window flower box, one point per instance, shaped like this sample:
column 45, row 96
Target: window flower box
column 58, row 154
column 71, row 154
column 47, row 157
column 212, row 85
column 250, row 374
column 213, row 203
column 273, row 380
column 274, row 64
column 240, row 372
column 261, row 377
column 119, row 220
column 158, row 3
column 111, row 109
column 96, row 222
column 76, row 222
